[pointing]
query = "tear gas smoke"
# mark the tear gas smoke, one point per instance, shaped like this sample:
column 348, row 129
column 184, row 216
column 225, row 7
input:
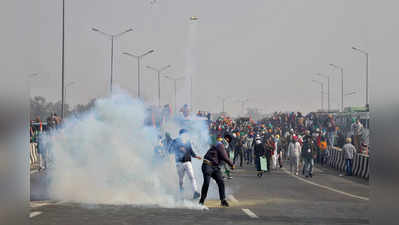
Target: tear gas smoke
column 106, row 156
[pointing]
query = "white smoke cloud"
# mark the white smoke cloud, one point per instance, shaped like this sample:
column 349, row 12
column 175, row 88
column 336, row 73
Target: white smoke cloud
column 106, row 157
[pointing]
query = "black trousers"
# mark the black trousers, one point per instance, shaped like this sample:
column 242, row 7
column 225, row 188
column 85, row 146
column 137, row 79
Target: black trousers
column 268, row 160
column 248, row 155
column 214, row 172
column 238, row 152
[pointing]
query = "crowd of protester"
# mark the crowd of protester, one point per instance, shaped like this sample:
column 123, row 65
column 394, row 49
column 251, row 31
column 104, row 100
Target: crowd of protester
column 291, row 137
column 282, row 139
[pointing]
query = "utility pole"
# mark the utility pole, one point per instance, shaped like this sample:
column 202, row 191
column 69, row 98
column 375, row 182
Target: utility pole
column 342, row 84
column 139, row 59
column 158, row 72
column 112, row 37
column 366, row 54
column 175, row 86
column 322, row 93
column 63, row 60
column 328, row 88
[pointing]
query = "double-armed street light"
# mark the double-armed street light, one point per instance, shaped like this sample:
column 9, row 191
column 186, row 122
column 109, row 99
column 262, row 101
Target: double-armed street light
column 112, row 38
column 139, row 59
column 328, row 89
column 366, row 54
column 158, row 72
column 322, row 92
column 175, row 84
column 342, row 84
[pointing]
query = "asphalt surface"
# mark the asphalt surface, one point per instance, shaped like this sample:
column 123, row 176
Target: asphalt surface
column 276, row 198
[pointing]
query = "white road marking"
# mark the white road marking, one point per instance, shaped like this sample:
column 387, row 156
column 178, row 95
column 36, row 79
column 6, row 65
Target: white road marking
column 37, row 204
column 232, row 198
column 33, row 214
column 250, row 213
column 326, row 187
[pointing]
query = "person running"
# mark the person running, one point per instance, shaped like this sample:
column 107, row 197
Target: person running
column 211, row 169
column 294, row 151
column 183, row 153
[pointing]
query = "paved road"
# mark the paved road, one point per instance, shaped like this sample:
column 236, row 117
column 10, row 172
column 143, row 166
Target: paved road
column 276, row 198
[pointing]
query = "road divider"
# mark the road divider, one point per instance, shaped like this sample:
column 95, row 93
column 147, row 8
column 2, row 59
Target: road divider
column 33, row 154
column 360, row 164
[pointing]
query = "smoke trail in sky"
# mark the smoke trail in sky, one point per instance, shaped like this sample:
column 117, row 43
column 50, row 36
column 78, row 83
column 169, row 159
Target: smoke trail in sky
column 106, row 157
column 184, row 96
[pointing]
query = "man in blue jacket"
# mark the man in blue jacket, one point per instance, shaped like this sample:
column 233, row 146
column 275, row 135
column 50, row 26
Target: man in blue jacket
column 183, row 151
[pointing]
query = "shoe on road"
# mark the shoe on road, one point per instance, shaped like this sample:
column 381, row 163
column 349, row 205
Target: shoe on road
column 225, row 203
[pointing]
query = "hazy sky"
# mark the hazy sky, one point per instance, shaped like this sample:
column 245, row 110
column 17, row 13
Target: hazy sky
column 267, row 51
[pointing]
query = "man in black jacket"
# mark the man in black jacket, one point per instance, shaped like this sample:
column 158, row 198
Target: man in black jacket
column 211, row 169
column 308, row 154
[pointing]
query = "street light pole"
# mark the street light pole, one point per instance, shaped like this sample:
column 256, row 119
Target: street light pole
column 63, row 60
column 328, row 89
column 112, row 60
column 191, row 93
column 159, row 71
column 223, row 102
column 322, row 93
column 139, row 58
column 112, row 37
column 342, row 84
column 366, row 54
column 175, row 86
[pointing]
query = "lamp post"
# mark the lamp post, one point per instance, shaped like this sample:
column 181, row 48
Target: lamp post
column 139, row 59
column 32, row 75
column 322, row 92
column 175, row 84
column 63, row 60
column 351, row 93
column 342, row 84
column 159, row 71
column 366, row 54
column 112, row 37
column 242, row 102
column 192, row 18
column 328, row 89
column 224, row 99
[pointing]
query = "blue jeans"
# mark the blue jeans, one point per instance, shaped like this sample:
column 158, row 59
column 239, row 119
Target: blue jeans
column 349, row 167
column 307, row 166
column 331, row 138
column 248, row 155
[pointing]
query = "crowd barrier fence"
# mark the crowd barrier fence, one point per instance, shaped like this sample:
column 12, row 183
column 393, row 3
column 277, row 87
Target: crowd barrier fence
column 360, row 164
column 33, row 154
